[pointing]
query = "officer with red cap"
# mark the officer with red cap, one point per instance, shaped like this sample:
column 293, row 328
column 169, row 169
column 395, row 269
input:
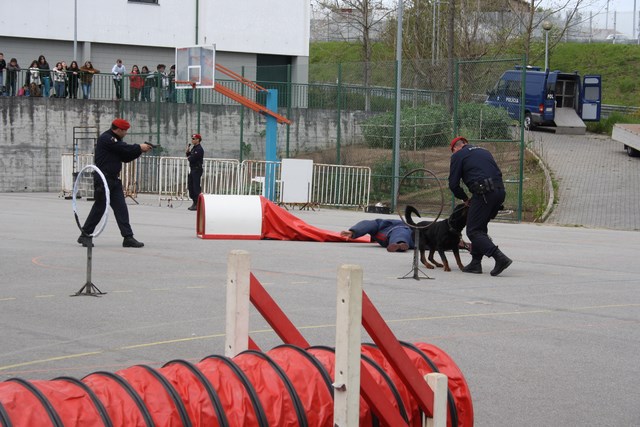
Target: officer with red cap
column 110, row 152
column 476, row 167
column 195, row 155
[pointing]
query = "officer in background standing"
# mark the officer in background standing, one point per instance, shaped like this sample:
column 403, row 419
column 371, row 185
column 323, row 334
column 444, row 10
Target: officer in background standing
column 195, row 155
column 476, row 167
column 110, row 152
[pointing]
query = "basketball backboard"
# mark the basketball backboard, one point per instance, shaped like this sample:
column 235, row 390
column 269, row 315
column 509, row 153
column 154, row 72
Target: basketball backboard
column 195, row 65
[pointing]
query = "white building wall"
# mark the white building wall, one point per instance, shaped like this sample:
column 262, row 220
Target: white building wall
column 278, row 27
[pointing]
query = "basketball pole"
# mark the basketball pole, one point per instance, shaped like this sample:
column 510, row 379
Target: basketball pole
column 271, row 152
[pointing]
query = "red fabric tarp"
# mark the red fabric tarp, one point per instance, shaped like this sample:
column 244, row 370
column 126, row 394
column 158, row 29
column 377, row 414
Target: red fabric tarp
column 279, row 224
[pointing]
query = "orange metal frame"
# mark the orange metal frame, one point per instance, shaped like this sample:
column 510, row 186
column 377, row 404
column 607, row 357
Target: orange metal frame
column 244, row 100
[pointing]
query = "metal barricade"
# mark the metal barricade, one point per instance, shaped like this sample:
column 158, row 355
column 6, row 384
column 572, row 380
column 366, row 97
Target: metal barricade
column 343, row 186
column 221, row 176
column 333, row 185
column 252, row 177
column 172, row 179
column 68, row 174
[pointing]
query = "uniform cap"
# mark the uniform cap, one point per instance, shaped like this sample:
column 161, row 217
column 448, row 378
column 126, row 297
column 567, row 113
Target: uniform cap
column 197, row 135
column 455, row 140
column 121, row 124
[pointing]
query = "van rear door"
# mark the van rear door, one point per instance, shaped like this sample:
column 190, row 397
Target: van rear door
column 549, row 97
column 590, row 98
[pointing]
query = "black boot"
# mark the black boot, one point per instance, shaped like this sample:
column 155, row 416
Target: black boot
column 131, row 242
column 193, row 207
column 475, row 266
column 502, row 262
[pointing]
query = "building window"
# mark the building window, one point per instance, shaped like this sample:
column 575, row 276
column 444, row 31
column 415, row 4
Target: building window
column 144, row 1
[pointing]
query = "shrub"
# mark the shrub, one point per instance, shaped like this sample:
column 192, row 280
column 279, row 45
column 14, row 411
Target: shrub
column 431, row 126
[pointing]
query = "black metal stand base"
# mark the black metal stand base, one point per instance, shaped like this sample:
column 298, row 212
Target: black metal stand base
column 415, row 272
column 89, row 289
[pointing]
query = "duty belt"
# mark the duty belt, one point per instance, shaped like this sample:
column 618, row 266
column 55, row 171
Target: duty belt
column 485, row 186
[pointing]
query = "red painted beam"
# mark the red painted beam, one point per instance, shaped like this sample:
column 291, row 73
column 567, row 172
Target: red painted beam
column 382, row 335
column 274, row 315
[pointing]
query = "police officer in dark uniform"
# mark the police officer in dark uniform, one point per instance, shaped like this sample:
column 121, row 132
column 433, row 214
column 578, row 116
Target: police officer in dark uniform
column 110, row 152
column 195, row 155
column 476, row 167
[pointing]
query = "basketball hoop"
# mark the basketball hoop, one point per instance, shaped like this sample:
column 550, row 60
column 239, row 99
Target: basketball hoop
column 186, row 83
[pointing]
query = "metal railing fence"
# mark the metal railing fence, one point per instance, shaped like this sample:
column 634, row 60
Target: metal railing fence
column 333, row 185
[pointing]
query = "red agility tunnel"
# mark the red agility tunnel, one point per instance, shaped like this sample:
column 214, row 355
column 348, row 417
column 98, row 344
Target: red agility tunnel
column 286, row 386
column 256, row 217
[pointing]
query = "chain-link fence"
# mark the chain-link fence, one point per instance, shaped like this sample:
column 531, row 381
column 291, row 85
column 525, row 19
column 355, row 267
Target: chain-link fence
column 437, row 102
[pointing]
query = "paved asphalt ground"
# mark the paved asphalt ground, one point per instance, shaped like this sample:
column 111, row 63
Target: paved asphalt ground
column 553, row 341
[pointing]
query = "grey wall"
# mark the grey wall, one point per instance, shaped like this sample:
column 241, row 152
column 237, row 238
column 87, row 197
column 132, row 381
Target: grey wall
column 35, row 132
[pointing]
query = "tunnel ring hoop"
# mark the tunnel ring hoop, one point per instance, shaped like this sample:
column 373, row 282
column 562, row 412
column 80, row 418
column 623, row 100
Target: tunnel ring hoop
column 107, row 201
column 407, row 177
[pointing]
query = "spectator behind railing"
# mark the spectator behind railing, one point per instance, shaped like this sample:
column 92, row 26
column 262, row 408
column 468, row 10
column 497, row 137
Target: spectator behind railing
column 118, row 72
column 73, row 74
column 45, row 75
column 86, row 77
column 59, row 80
column 136, row 83
column 12, row 77
column 149, row 82
column 3, row 67
column 33, row 79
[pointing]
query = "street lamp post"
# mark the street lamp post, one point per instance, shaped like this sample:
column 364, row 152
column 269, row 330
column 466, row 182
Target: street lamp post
column 546, row 25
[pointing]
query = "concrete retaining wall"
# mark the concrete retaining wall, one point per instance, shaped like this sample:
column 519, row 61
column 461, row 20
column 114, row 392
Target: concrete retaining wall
column 35, row 132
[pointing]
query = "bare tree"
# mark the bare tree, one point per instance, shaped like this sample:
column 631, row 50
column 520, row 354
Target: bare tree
column 359, row 17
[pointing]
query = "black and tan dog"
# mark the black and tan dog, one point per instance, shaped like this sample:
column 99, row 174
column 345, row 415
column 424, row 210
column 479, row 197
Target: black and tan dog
column 443, row 235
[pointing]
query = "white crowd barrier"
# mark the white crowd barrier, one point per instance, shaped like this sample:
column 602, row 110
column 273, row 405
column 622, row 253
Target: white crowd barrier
column 85, row 188
column 333, row 185
column 337, row 185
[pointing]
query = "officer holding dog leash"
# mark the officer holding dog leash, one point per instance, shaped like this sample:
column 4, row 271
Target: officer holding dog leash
column 476, row 167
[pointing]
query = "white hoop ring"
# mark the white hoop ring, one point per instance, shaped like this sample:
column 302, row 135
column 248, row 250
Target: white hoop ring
column 107, row 201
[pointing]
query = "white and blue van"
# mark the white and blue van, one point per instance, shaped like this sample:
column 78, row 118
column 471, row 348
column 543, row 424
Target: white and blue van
column 548, row 96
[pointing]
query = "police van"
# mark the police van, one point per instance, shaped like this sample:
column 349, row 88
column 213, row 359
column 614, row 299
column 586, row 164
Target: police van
column 552, row 98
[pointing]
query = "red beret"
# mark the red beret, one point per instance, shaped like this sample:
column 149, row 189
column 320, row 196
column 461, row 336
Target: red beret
column 197, row 135
column 121, row 124
column 460, row 138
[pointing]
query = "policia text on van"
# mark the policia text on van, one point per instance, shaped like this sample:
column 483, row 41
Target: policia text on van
column 552, row 98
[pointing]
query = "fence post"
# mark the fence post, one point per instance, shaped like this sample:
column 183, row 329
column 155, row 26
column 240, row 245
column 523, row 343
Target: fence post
column 338, row 120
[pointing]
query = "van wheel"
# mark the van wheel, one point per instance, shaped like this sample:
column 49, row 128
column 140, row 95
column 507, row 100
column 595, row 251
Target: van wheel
column 528, row 124
column 631, row 152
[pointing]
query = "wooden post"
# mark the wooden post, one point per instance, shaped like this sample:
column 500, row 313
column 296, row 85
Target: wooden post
column 237, row 319
column 438, row 383
column 346, row 408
